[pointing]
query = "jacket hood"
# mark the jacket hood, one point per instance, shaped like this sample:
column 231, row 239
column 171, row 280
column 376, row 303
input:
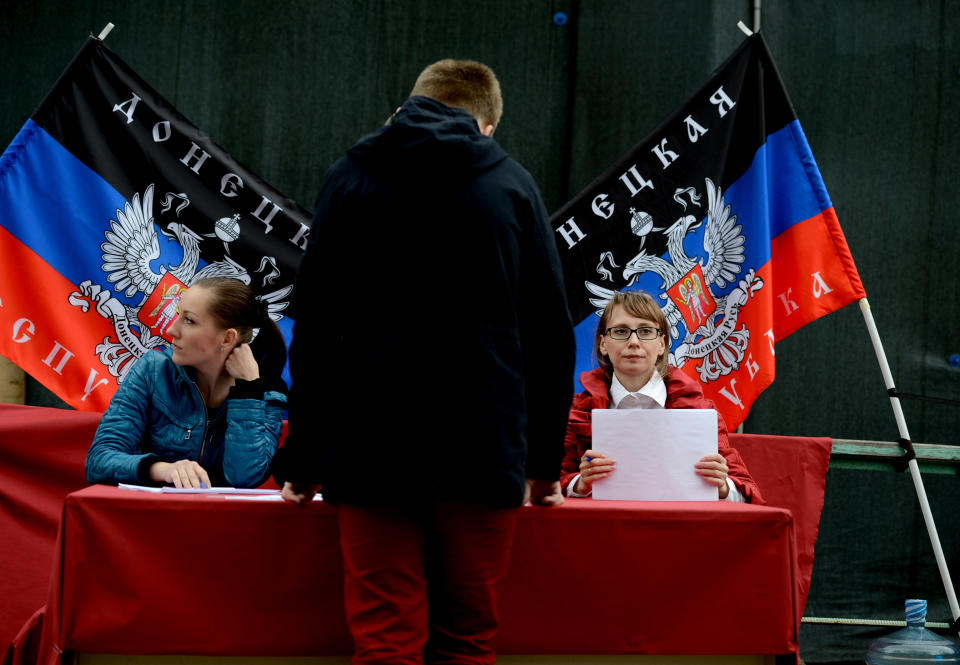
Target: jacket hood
column 428, row 136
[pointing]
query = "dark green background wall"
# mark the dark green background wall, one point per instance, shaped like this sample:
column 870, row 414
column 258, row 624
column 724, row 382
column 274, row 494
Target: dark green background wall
column 287, row 86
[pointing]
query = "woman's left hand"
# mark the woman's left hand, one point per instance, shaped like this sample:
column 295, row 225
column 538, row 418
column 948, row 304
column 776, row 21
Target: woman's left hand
column 713, row 468
column 240, row 364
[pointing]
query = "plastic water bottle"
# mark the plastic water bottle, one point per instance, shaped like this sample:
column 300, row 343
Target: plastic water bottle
column 913, row 644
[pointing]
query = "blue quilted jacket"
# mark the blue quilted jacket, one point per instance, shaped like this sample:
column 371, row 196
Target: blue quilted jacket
column 159, row 415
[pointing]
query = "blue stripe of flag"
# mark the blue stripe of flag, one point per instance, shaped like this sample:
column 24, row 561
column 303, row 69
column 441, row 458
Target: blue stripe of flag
column 777, row 191
column 60, row 208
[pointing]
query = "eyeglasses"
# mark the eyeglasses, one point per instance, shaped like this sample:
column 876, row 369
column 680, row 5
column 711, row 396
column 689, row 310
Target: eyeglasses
column 621, row 333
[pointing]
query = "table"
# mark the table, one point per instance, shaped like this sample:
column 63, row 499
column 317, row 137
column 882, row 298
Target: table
column 139, row 573
column 42, row 454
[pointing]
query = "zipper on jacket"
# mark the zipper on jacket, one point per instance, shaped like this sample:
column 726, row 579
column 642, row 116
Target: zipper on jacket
column 206, row 426
column 206, row 431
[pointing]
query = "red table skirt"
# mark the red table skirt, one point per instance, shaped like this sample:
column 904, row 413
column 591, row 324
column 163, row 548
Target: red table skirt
column 145, row 573
column 41, row 461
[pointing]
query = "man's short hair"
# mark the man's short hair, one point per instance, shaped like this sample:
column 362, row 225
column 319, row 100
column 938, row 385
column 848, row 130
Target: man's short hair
column 465, row 84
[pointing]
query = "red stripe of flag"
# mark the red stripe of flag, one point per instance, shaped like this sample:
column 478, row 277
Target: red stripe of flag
column 56, row 343
column 813, row 273
column 809, row 275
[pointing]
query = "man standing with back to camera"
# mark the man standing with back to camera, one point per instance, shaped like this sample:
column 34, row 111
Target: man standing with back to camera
column 432, row 363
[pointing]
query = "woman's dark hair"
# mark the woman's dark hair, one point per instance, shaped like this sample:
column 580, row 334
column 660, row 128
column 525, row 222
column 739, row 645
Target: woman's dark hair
column 233, row 304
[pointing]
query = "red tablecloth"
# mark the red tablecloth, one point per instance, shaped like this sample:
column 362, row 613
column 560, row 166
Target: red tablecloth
column 792, row 474
column 143, row 573
column 41, row 460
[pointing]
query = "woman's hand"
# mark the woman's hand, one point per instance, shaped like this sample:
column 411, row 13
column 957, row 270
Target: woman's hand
column 713, row 468
column 182, row 473
column 593, row 466
column 297, row 493
column 240, row 364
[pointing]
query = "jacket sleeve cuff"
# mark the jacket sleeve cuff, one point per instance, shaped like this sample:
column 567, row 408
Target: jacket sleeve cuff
column 246, row 389
column 295, row 464
column 571, row 492
column 143, row 469
column 281, row 466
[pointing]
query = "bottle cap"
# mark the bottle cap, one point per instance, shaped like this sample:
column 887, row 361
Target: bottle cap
column 916, row 610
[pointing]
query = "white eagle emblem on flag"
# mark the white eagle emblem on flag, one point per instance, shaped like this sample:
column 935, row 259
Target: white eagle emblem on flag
column 130, row 249
column 686, row 296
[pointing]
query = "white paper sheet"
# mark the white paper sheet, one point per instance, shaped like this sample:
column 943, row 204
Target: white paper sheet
column 655, row 450
column 218, row 490
column 260, row 497
column 198, row 490
column 139, row 488
column 226, row 492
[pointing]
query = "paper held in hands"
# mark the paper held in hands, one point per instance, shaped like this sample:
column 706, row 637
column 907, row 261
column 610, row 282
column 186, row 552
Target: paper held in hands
column 655, row 450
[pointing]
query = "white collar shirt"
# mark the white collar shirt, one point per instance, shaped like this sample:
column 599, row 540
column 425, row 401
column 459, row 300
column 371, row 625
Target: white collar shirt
column 653, row 395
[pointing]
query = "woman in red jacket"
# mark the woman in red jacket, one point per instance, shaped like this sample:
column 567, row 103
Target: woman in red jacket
column 631, row 347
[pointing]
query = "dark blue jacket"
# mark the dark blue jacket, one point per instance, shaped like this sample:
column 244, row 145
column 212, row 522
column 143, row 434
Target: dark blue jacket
column 433, row 349
column 158, row 415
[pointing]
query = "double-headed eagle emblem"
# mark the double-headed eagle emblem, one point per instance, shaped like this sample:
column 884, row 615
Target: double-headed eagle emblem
column 704, row 324
column 130, row 252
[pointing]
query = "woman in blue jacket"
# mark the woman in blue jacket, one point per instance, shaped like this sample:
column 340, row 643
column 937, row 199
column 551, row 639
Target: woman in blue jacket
column 208, row 410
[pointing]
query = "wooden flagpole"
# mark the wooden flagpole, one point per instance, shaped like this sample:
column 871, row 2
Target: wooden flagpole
column 12, row 383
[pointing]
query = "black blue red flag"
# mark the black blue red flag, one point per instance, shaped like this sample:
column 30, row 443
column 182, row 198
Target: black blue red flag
column 111, row 204
column 722, row 214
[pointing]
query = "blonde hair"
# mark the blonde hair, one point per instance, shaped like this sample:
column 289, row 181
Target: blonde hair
column 465, row 84
column 642, row 306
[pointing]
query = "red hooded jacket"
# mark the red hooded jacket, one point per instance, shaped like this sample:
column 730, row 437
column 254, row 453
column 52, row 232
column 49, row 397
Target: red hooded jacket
column 682, row 393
